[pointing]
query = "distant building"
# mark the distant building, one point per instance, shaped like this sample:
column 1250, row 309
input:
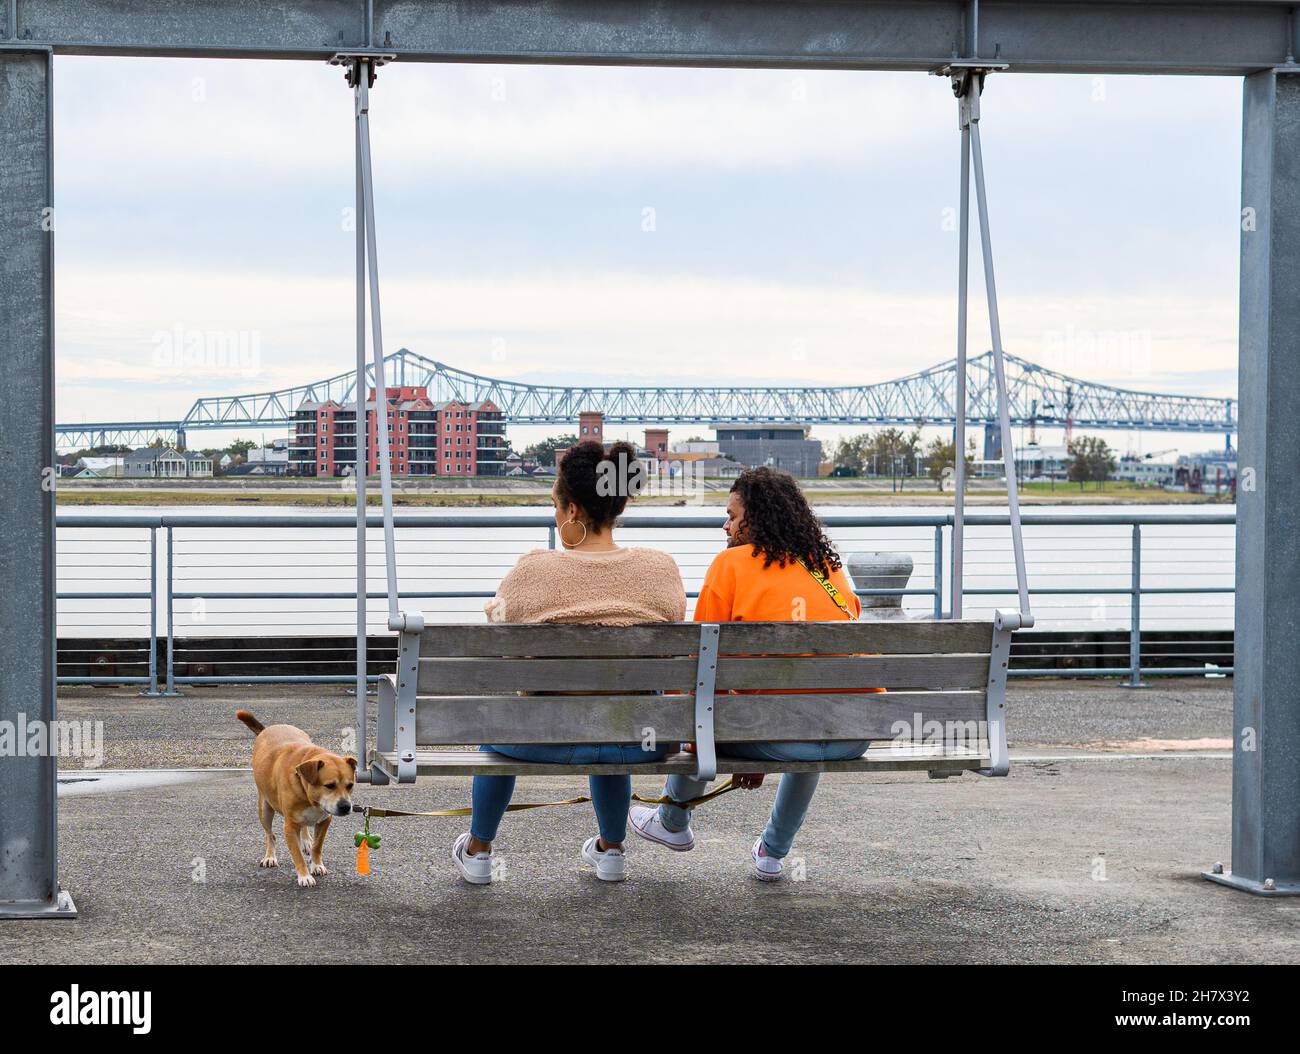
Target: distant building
column 784, row 446
column 197, row 465
column 269, row 460
column 166, row 463
column 447, row 439
column 591, row 425
column 97, row 468
column 1032, row 462
column 1214, row 470
column 656, row 442
column 1144, row 472
column 697, row 446
column 703, row 464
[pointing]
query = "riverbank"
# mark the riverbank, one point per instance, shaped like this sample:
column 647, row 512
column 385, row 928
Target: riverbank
column 482, row 493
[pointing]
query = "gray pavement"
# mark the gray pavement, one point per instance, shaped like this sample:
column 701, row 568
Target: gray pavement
column 1067, row 861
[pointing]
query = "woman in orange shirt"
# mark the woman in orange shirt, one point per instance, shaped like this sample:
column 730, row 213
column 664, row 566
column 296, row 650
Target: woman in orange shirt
column 774, row 544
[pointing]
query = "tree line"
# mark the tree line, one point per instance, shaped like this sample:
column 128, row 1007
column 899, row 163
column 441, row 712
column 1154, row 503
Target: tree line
column 895, row 453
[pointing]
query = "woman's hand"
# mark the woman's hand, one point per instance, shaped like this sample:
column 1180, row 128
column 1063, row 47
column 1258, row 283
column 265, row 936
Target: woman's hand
column 747, row 780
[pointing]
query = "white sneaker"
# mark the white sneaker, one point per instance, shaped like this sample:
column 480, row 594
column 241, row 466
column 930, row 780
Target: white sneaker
column 766, row 868
column 646, row 822
column 476, row 869
column 611, row 865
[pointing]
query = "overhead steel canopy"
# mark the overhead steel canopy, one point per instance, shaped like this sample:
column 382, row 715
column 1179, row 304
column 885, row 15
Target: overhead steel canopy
column 1115, row 36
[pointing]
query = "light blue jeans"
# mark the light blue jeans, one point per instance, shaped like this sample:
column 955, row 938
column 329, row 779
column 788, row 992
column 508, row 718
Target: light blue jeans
column 610, row 795
column 793, row 796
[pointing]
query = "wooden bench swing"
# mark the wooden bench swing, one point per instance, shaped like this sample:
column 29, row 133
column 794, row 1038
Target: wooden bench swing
column 943, row 710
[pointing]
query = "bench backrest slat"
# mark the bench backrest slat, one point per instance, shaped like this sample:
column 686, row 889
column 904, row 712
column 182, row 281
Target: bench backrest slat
column 452, row 719
column 618, row 675
column 902, row 637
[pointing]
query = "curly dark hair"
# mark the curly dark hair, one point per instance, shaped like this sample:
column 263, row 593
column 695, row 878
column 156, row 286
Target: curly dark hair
column 600, row 494
column 779, row 522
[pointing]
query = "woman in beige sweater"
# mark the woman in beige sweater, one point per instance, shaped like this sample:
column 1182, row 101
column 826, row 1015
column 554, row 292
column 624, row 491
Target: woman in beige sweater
column 591, row 579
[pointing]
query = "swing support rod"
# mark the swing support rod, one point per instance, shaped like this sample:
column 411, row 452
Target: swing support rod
column 968, row 84
column 959, row 395
column 361, row 70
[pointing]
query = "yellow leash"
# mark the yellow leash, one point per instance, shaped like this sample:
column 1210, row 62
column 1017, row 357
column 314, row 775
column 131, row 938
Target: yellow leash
column 365, row 841
column 723, row 788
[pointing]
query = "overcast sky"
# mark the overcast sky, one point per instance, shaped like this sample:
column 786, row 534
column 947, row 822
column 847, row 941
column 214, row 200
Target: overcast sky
column 573, row 225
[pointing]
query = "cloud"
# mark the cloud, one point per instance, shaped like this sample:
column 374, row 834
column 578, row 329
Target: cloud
column 206, row 334
column 202, row 119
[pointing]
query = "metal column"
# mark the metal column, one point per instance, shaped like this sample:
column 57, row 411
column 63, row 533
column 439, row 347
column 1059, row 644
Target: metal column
column 29, row 884
column 1266, row 711
column 1135, row 612
column 361, row 463
column 152, row 690
column 938, row 571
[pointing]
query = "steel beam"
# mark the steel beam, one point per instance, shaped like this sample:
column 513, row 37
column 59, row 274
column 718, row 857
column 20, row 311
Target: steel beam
column 29, row 884
column 1037, row 395
column 1119, row 36
column 1266, row 711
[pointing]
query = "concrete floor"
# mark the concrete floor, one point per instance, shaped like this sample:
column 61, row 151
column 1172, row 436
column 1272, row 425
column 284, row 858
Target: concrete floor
column 1083, row 860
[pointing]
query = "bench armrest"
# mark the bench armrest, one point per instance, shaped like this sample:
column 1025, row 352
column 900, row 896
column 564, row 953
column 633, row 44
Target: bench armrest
column 706, row 673
column 1005, row 623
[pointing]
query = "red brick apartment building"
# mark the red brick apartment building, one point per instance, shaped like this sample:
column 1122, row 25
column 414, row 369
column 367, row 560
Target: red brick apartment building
column 447, row 439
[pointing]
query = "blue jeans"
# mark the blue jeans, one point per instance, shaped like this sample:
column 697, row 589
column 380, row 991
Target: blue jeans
column 793, row 796
column 610, row 795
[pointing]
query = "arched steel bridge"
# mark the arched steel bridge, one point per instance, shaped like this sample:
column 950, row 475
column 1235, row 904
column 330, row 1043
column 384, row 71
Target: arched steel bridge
column 1038, row 396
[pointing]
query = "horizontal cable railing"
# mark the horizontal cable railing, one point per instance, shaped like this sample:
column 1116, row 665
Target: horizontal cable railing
column 165, row 600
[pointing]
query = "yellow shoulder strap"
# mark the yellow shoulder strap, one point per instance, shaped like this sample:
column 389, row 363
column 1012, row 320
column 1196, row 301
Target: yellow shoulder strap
column 831, row 591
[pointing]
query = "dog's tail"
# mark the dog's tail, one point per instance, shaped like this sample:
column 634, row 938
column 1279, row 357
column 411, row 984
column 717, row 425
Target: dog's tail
column 250, row 720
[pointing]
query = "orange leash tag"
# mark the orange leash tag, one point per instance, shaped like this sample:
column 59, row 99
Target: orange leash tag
column 363, row 858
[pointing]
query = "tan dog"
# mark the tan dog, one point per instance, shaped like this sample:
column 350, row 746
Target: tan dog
column 304, row 784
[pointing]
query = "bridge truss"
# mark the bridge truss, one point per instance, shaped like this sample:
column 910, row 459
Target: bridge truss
column 1038, row 396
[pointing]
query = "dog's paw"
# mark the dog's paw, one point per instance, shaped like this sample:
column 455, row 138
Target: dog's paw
column 306, row 880
column 269, row 861
column 319, row 869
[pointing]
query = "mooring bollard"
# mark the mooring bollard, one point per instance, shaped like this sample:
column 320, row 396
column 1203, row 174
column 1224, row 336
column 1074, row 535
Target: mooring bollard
column 880, row 571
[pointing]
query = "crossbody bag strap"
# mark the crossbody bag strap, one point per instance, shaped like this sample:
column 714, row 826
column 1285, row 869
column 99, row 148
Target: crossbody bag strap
column 831, row 590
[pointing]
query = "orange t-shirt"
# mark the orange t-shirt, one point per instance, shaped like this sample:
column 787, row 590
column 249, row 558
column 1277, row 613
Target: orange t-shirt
column 738, row 588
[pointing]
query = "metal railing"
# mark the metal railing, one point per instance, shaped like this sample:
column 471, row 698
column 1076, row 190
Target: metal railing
column 195, row 559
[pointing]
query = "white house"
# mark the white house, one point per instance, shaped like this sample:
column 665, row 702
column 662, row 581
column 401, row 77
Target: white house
column 166, row 463
column 97, row 468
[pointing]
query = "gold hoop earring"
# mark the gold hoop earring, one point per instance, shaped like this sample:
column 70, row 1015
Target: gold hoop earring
column 573, row 545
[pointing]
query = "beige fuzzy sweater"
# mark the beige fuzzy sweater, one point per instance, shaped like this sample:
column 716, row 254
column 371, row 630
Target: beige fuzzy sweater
column 621, row 587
